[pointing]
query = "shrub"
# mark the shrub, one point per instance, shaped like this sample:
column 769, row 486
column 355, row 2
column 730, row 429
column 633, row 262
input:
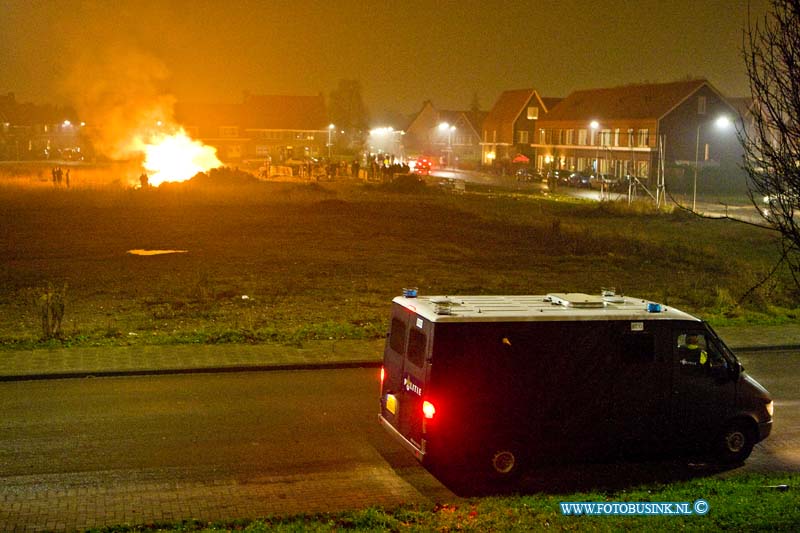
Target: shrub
column 52, row 304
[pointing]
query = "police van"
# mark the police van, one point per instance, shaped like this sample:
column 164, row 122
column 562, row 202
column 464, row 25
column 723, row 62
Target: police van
column 492, row 384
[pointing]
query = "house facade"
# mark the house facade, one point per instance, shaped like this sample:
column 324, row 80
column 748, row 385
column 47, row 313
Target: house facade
column 34, row 132
column 279, row 128
column 509, row 128
column 452, row 137
column 630, row 130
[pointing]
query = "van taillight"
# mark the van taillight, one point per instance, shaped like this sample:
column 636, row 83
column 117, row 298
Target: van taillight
column 428, row 410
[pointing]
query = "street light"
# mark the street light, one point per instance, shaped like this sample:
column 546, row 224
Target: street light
column 331, row 127
column 444, row 126
column 722, row 123
column 595, row 128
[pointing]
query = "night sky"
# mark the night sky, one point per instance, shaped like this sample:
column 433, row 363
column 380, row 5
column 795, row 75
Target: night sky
column 60, row 51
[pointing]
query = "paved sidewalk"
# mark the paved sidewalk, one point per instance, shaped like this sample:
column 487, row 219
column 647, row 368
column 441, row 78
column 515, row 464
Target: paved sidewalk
column 80, row 362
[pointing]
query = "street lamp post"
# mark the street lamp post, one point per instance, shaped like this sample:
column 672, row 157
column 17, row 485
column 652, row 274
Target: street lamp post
column 722, row 123
column 596, row 129
column 445, row 127
column 330, row 131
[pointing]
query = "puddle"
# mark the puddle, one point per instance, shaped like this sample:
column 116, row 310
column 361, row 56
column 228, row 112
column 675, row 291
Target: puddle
column 156, row 252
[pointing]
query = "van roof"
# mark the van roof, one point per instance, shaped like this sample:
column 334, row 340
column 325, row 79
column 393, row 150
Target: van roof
column 548, row 307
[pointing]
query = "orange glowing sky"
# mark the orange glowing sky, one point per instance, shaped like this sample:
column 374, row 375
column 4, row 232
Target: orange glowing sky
column 402, row 52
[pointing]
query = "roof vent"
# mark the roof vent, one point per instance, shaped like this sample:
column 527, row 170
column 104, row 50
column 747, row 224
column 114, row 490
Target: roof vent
column 443, row 306
column 576, row 300
column 610, row 295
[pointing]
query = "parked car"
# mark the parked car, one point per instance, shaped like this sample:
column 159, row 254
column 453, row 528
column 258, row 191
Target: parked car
column 611, row 182
column 560, row 175
column 527, row 174
column 580, row 179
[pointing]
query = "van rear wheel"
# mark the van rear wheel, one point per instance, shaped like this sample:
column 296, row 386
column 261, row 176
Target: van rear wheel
column 735, row 442
column 505, row 461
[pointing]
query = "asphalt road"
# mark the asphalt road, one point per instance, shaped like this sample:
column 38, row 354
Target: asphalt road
column 709, row 209
column 308, row 440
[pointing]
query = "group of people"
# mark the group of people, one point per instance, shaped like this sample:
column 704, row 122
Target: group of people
column 59, row 176
column 384, row 166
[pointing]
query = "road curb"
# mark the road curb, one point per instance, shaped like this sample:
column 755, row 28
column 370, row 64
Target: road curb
column 767, row 348
column 176, row 371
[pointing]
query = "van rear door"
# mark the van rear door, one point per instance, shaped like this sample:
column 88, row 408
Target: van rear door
column 405, row 365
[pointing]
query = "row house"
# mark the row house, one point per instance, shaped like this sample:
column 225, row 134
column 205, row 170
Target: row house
column 34, row 132
column 262, row 127
column 509, row 128
column 629, row 130
column 451, row 136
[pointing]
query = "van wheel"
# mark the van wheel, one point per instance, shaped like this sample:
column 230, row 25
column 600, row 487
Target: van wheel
column 505, row 461
column 735, row 442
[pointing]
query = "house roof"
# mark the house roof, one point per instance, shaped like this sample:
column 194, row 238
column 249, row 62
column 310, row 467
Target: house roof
column 550, row 102
column 205, row 115
column 27, row 114
column 505, row 112
column 641, row 101
column 258, row 112
column 286, row 112
column 430, row 117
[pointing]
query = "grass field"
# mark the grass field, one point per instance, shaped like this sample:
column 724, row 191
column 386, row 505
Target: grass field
column 288, row 262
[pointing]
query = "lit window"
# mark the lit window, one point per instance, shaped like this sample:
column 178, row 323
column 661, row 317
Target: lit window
column 229, row 131
column 522, row 137
column 533, row 113
column 701, row 105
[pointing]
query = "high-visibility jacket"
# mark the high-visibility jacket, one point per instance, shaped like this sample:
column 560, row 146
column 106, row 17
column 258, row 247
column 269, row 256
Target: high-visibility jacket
column 703, row 357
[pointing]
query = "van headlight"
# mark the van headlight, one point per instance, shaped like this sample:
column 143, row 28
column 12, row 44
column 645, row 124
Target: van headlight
column 771, row 408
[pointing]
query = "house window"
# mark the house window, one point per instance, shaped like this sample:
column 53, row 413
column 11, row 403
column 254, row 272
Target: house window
column 605, row 138
column 541, row 137
column 616, row 137
column 701, row 105
column 644, row 137
column 522, row 136
column 228, row 131
column 582, row 137
column 533, row 113
column 570, row 137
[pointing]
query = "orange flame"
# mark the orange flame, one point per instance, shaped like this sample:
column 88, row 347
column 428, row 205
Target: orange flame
column 175, row 157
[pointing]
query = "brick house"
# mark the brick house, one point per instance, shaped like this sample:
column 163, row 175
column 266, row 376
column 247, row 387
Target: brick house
column 509, row 128
column 279, row 127
column 628, row 130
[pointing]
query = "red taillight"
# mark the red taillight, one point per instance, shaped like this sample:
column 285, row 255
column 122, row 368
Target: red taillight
column 383, row 375
column 428, row 410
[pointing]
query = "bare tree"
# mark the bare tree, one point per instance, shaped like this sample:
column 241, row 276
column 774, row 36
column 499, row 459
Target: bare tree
column 771, row 138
